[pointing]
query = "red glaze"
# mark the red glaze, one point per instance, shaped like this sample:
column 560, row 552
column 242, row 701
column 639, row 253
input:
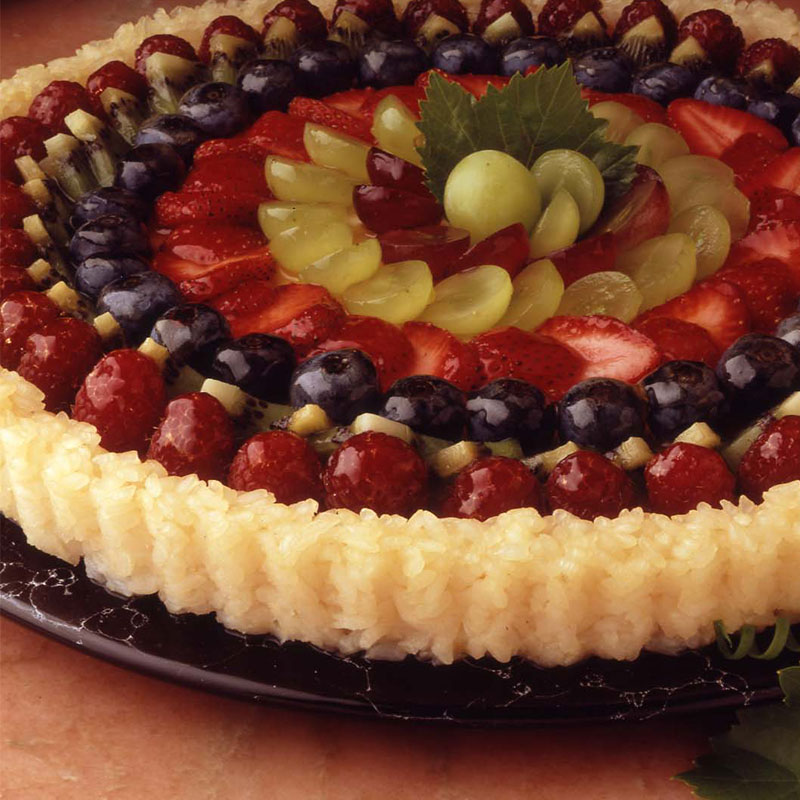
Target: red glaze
column 376, row 471
column 781, row 241
column 239, row 148
column 228, row 274
column 772, row 459
column 382, row 208
column 115, row 75
column 684, row 475
column 124, row 398
column 437, row 352
column 173, row 209
column 588, row 485
column 230, row 174
column 244, row 300
column 55, row 101
column 710, row 130
column 351, row 101
column 384, row 343
column 679, row 340
column 595, row 254
column 558, row 17
column 230, row 26
column 310, row 110
column 490, row 486
column 385, row 169
column 14, row 279
column 378, row 14
column 22, row 313
column 20, row 136
column 540, row 360
column 15, row 205
column 781, row 173
column 418, row 11
column 774, row 59
column 491, row 10
column 281, row 462
column 163, row 43
column 749, row 155
column 308, row 19
column 439, row 246
column 508, row 248
column 276, row 133
column 717, row 307
column 647, row 109
column 770, row 207
column 715, row 32
column 203, row 244
column 58, row 356
column 608, row 347
column 195, row 436
column 640, row 10
column 16, row 247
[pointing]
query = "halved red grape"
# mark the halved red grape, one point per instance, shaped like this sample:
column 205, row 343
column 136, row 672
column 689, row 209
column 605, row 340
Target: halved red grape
column 439, row 246
column 382, row 208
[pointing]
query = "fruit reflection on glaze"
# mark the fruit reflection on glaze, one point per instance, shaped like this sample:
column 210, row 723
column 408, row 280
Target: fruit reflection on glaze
column 300, row 246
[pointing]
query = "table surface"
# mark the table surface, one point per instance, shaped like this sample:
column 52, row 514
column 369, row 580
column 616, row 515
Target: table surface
column 75, row 727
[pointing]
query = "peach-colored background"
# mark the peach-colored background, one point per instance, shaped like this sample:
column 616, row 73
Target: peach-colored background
column 72, row 727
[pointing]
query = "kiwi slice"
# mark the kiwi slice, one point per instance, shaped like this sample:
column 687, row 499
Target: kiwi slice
column 43, row 274
column 125, row 112
column 542, row 464
column 365, row 423
column 281, row 40
column 37, row 232
column 102, row 145
column 502, row 31
column 51, row 206
column 29, row 168
column 69, row 301
column 453, row 459
column 433, row 30
column 67, row 164
column 645, row 43
column 351, row 31
column 326, row 443
column 228, row 55
column 169, row 78
column 250, row 414
column 507, row 448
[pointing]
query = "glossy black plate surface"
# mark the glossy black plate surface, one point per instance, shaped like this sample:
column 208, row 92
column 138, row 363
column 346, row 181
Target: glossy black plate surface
column 59, row 600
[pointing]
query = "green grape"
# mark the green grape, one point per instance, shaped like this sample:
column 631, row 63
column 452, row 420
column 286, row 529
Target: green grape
column 395, row 129
column 274, row 217
column 307, row 183
column 396, row 293
column 657, row 143
column 611, row 293
column 735, row 205
column 557, row 227
column 622, row 121
column 570, row 170
column 330, row 148
column 300, row 246
column 339, row 270
column 490, row 190
column 538, row 290
column 710, row 231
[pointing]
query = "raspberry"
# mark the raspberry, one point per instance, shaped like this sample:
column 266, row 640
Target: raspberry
column 124, row 398
column 418, row 11
column 280, row 462
column 16, row 247
column 15, row 205
column 377, row 471
column 114, row 75
column 490, row 486
column 772, row 459
column 716, row 34
column 640, row 10
column 57, row 358
column 14, row 279
column 229, row 26
column 773, row 60
column 195, row 436
column 683, row 475
column 20, row 136
column 21, row 314
column 558, row 17
column 162, row 43
column 772, row 206
column 679, row 340
column 306, row 16
column 588, row 485
column 55, row 101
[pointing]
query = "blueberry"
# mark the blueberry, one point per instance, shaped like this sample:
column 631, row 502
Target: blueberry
column 781, row 110
column 258, row 364
column 391, row 63
column 510, row 409
column 184, row 134
column 757, row 371
column 191, row 331
column 220, row 109
column 795, row 132
column 789, row 330
column 722, row 91
column 665, row 82
column 150, row 170
column 428, row 405
column 136, row 302
column 343, row 382
column 465, row 53
column 109, row 235
column 323, row 68
column 108, row 200
column 681, row 393
column 269, row 84
column 530, row 51
column 600, row 413
column 605, row 69
column 94, row 274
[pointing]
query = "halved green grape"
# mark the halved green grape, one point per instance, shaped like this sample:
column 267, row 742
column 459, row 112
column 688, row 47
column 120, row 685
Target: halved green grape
column 657, row 143
column 395, row 129
column 537, row 292
column 570, row 170
column 274, row 217
column 710, row 231
column 622, row 121
column 396, row 293
column 662, row 267
column 557, row 227
column 611, row 293
column 307, row 183
column 470, row 302
column 339, row 270
column 735, row 205
column 330, row 148
column 683, row 174
column 489, row 190
column 300, row 246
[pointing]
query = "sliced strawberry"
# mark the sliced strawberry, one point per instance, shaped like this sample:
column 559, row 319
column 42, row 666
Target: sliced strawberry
column 227, row 274
column 782, row 241
column 16, row 247
column 507, row 248
column 596, row 254
column 647, row 109
column 719, row 308
column 679, row 340
column 240, row 148
column 437, row 352
column 476, row 85
column 351, row 101
column 173, row 209
column 540, row 360
column 782, row 172
column 772, row 206
column 245, row 300
column 609, row 347
column 710, row 130
column 310, row 110
column 227, row 25
column 279, row 134
column 748, row 155
column 230, row 174
column 385, row 344
column 15, row 205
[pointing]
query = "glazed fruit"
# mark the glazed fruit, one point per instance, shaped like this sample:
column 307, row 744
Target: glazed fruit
column 646, row 31
column 269, row 84
column 773, row 63
column 384, row 208
column 109, row 235
column 708, row 38
column 772, row 459
column 162, row 43
column 605, row 69
column 177, row 130
column 150, row 169
column 464, row 54
column 578, row 23
column 722, row 91
column 537, row 294
column 427, row 405
column 16, row 247
column 92, row 275
column 391, row 63
column 428, row 22
column 530, row 52
column 354, row 22
column 323, row 68
column 55, row 101
column 218, row 109
column 439, row 246
column 15, row 205
column 665, row 82
column 190, row 331
column 14, row 279
column 500, row 21
column 385, row 169
column 789, row 330
column 437, row 352
column 20, row 136
column 108, row 200
column 22, row 313
column 290, row 24
column 679, row 340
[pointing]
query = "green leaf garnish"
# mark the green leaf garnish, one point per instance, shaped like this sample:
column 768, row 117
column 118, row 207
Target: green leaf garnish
column 532, row 114
column 758, row 759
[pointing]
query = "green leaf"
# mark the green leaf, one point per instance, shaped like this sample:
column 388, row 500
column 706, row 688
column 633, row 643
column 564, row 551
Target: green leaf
column 532, row 114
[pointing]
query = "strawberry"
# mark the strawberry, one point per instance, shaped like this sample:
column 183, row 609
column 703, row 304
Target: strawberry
column 749, row 155
column 310, row 110
column 768, row 291
column 231, row 174
column 351, row 101
column 710, row 130
column 717, row 36
column 227, row 25
column 162, row 43
column 418, row 12
column 647, row 109
column 16, row 247
column 596, row 254
column 540, row 360
column 279, row 134
column 437, row 352
column 476, row 85
column 559, row 17
column 719, row 308
column 115, row 75
column 507, row 248
column 782, row 172
column 608, row 347
column 238, row 147
column 55, row 101
column 228, row 274
column 679, row 340
column 244, row 300
column 491, row 10
column 309, row 23
column 14, row 279
column 782, row 241
column 771, row 61
column 173, row 209
column 390, row 351
column 20, row 136
column 771, row 207
column 15, row 205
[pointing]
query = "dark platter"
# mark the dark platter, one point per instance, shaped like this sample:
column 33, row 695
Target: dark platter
column 60, row 601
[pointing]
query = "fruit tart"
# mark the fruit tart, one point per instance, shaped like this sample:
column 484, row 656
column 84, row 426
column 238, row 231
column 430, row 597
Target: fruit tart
column 444, row 330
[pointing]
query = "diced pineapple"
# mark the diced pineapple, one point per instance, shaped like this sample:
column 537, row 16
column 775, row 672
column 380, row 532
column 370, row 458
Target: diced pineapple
column 300, row 246
column 701, row 434
column 611, row 293
column 344, row 268
column 157, row 352
column 537, row 292
column 396, row 293
column 632, row 454
column 298, row 182
column 330, row 148
column 309, row 419
column 395, row 129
